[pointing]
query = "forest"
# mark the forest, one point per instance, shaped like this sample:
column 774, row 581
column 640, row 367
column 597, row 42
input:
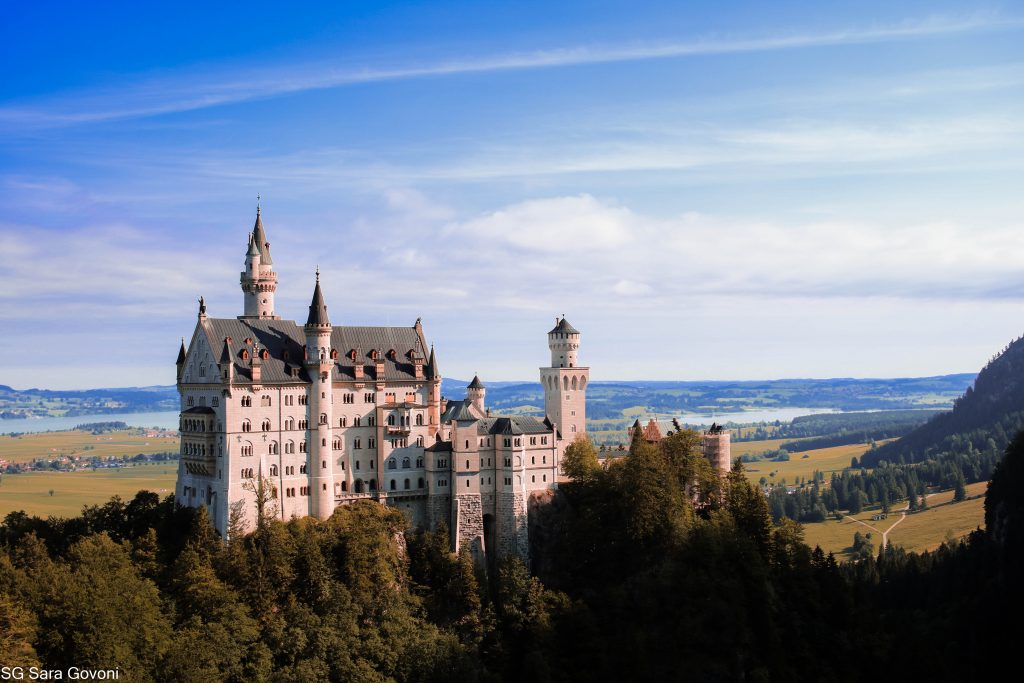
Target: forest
column 653, row 568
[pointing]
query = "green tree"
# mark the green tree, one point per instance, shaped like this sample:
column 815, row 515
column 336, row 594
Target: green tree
column 959, row 489
column 580, row 459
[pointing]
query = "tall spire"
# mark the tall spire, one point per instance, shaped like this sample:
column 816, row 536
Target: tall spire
column 259, row 236
column 317, row 308
column 432, row 370
column 181, row 352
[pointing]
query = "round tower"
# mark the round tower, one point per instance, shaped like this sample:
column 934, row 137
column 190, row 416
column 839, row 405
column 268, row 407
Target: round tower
column 475, row 392
column 258, row 280
column 564, row 342
column 318, row 366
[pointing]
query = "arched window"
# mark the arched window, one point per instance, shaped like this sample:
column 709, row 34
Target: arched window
column 419, row 419
column 419, row 441
column 573, row 428
column 334, row 354
column 391, row 420
column 265, row 401
column 289, row 447
column 266, row 425
column 406, row 484
column 359, row 485
column 273, row 470
column 246, row 426
column 272, row 448
column 336, row 443
column 246, row 401
column 583, row 382
column 394, row 485
column 289, row 423
column 323, row 418
column 405, row 463
column 420, row 483
column 373, row 484
column 344, row 486
column 342, row 422
column 302, row 447
column 574, row 382
column 391, row 463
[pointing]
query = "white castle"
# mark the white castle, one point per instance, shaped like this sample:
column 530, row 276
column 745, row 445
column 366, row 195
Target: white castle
column 324, row 415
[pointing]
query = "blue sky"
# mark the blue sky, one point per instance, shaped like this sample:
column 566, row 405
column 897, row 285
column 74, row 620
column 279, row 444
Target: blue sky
column 706, row 190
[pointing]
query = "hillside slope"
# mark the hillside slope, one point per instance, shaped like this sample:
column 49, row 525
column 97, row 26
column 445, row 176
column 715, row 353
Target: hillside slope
column 985, row 418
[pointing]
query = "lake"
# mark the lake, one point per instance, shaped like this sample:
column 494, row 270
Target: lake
column 166, row 419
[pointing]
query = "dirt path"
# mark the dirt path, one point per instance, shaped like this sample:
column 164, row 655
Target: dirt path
column 885, row 534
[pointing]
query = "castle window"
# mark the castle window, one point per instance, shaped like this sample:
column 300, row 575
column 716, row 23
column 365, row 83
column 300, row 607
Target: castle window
column 214, row 402
column 246, row 427
column 389, row 397
column 419, row 462
column 391, row 420
column 406, row 484
column 393, row 485
column 344, row 486
column 419, row 441
column 343, row 422
column 368, row 398
column 543, row 440
column 202, row 371
column 508, row 442
column 533, row 460
column 273, row 470
column 302, row 468
column 323, row 442
column 391, row 464
column 467, row 447
column 574, row 383
column 303, row 424
column 302, row 447
column 266, row 425
column 533, row 478
column 323, row 418
column 533, row 441
column 391, row 354
column 419, row 483
column 289, row 423
column 265, row 401
column 358, row 443
column 405, row 463
column 545, row 477
column 357, row 464
column 371, row 443
column 272, row 448
column 565, row 383
column 519, row 442
column 348, row 398
column 323, row 464
column 467, row 483
column 544, row 460
column 371, row 420
column 264, row 354
column 573, row 428
column 246, row 401
column 467, row 464
column 334, row 354
column 419, row 419
column 357, row 421
column 245, row 355
column 190, row 401
column 336, row 444
column 374, row 354
column 289, row 447
column 303, row 399
column 373, row 484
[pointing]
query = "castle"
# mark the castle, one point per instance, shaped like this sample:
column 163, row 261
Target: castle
column 321, row 415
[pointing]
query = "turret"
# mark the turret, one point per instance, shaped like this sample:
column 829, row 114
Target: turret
column 475, row 392
column 564, row 342
column 226, row 363
column 258, row 280
column 319, row 365
column 180, row 363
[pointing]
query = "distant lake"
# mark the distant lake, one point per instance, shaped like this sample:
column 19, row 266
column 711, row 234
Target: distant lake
column 781, row 414
column 167, row 419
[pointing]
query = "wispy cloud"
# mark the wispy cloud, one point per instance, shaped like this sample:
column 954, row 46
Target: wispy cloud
column 198, row 90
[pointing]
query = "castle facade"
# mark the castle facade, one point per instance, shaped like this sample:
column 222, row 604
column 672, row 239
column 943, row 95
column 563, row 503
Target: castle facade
column 308, row 418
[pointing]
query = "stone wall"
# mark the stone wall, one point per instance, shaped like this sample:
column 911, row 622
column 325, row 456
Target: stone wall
column 512, row 532
column 468, row 524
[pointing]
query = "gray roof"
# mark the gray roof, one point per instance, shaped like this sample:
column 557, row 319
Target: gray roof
column 459, row 410
column 198, row 410
column 563, row 327
column 476, row 383
column 260, row 237
column 431, row 370
column 253, row 251
column 279, row 337
column 317, row 307
column 181, row 353
column 514, row 424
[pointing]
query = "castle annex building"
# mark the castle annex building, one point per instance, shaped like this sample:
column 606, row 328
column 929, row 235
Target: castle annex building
column 325, row 414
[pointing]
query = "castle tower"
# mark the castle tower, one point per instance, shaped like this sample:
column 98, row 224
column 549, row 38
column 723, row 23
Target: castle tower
column 717, row 446
column 258, row 280
column 433, row 374
column 565, row 383
column 475, row 392
column 318, row 366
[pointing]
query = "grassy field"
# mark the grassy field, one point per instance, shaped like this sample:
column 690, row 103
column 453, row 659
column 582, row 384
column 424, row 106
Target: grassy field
column 918, row 532
column 826, row 460
column 55, row 444
column 71, row 490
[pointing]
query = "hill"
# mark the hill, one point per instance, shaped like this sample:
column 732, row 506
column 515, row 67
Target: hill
column 984, row 419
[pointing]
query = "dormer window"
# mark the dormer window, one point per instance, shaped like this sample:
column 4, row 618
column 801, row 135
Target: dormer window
column 264, row 354
column 374, row 354
column 245, row 354
column 334, row 354
column 392, row 354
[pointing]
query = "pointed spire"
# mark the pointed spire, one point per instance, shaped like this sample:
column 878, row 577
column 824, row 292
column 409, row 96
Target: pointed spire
column 225, row 354
column 259, row 236
column 252, row 251
column 432, row 370
column 317, row 308
column 476, row 383
column 181, row 353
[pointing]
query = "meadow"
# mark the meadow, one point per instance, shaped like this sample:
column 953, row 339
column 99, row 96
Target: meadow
column 801, row 464
column 31, row 491
column 27, row 447
column 920, row 531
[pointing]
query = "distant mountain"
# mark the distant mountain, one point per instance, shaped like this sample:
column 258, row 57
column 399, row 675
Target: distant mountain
column 46, row 403
column 608, row 400
column 985, row 418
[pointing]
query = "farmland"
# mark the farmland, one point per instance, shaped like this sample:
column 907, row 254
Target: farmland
column 31, row 491
column 50, row 445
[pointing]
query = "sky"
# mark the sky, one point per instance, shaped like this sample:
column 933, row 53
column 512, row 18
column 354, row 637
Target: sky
column 706, row 190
